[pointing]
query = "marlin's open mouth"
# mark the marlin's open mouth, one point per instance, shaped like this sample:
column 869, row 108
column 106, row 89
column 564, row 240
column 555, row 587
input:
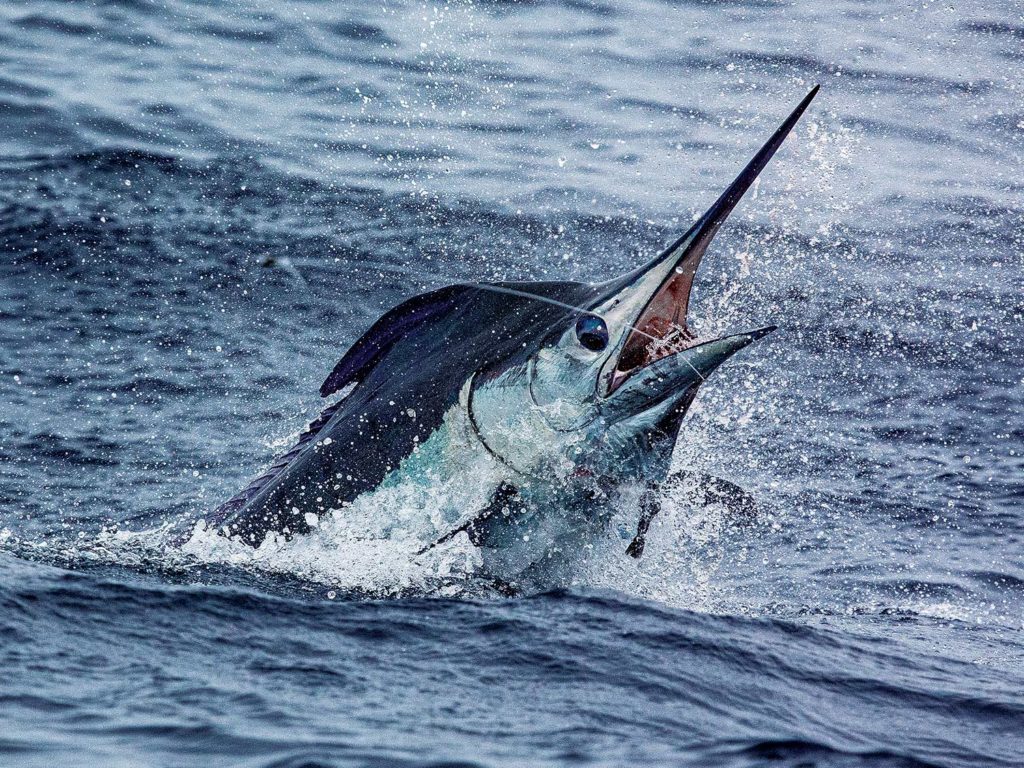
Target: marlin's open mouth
column 659, row 329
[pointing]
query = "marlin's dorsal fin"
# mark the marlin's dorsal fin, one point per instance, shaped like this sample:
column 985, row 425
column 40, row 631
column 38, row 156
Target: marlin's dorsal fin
column 386, row 332
column 353, row 366
column 412, row 313
column 279, row 464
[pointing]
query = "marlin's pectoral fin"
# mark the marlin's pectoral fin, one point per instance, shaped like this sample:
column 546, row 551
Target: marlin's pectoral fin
column 739, row 504
column 650, row 505
column 502, row 499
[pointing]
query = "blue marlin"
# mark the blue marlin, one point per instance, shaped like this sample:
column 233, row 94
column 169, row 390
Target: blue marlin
column 537, row 400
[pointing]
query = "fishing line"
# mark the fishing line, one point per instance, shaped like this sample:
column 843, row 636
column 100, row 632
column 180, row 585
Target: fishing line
column 581, row 310
column 554, row 302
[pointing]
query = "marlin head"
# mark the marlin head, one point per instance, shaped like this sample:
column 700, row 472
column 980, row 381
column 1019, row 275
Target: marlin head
column 629, row 363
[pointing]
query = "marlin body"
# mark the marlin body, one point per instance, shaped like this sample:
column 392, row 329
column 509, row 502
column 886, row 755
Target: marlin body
column 531, row 406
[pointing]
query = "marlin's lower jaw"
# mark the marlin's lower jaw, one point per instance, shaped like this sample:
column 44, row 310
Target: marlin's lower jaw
column 677, row 373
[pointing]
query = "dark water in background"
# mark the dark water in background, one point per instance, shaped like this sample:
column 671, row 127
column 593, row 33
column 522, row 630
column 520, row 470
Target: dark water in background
column 155, row 155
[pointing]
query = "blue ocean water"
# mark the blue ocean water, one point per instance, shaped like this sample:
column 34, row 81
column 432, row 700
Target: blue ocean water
column 202, row 204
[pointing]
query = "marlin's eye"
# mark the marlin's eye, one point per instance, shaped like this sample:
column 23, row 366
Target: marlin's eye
column 592, row 332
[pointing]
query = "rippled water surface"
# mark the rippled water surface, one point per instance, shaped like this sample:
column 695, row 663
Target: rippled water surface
column 202, row 204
